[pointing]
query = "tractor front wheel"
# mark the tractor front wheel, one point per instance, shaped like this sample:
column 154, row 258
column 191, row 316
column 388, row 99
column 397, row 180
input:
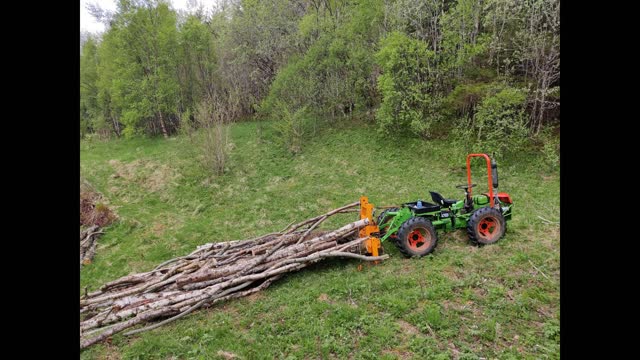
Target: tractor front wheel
column 486, row 226
column 416, row 237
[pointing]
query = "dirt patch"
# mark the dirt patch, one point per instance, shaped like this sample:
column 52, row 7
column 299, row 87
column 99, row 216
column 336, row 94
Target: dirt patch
column 325, row 298
column 464, row 308
column 165, row 223
column 408, row 328
column 160, row 177
column 452, row 273
column 255, row 296
column 151, row 175
column 399, row 354
column 111, row 352
column 479, row 292
column 454, row 351
column 545, row 311
column 158, row 229
column 226, row 355
column 407, row 267
column 230, row 309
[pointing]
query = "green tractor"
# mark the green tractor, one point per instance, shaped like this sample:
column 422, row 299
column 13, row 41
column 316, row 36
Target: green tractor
column 413, row 226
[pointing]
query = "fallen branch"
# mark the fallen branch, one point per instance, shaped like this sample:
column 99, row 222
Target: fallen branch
column 548, row 221
column 88, row 242
column 540, row 271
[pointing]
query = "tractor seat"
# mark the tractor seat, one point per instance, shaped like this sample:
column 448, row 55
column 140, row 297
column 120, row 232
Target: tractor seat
column 438, row 199
column 422, row 207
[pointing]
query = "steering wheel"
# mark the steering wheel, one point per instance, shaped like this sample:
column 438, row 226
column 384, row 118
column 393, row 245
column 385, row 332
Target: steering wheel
column 465, row 186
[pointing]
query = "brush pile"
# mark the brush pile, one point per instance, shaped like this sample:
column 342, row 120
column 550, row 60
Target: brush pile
column 88, row 242
column 214, row 272
column 94, row 215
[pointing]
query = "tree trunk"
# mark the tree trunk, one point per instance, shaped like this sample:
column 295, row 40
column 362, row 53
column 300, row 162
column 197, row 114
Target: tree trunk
column 162, row 126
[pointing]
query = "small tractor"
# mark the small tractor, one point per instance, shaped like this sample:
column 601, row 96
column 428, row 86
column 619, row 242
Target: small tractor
column 413, row 225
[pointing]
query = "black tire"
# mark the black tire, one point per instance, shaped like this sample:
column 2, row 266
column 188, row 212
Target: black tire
column 416, row 237
column 486, row 226
column 382, row 217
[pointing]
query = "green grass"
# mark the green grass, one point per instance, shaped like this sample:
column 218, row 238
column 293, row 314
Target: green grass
column 460, row 302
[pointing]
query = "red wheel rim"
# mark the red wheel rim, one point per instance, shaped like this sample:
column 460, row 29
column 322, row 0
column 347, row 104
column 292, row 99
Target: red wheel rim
column 419, row 239
column 489, row 228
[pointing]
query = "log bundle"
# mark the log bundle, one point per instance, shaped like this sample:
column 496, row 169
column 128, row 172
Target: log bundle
column 214, row 272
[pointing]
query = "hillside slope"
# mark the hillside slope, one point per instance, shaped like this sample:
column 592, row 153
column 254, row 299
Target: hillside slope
column 497, row 301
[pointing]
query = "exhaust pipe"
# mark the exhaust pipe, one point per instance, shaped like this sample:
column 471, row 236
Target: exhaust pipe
column 494, row 173
column 494, row 178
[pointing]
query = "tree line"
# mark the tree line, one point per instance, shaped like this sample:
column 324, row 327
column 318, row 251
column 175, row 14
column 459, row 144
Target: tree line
column 480, row 70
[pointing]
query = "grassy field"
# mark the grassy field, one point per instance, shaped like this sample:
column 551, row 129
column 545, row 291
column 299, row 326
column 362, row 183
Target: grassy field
column 461, row 302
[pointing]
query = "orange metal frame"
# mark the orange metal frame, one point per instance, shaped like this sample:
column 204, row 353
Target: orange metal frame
column 488, row 171
column 366, row 211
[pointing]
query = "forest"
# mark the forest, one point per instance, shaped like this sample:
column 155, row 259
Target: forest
column 480, row 73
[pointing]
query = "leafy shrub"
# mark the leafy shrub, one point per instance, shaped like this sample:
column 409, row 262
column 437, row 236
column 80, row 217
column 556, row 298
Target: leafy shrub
column 498, row 126
column 405, row 84
column 463, row 100
column 291, row 127
column 548, row 144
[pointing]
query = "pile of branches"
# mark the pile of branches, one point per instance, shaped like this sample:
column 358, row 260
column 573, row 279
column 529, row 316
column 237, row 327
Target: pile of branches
column 214, row 272
column 88, row 242
column 94, row 215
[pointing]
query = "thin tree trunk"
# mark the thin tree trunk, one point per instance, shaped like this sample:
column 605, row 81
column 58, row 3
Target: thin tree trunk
column 116, row 126
column 162, row 126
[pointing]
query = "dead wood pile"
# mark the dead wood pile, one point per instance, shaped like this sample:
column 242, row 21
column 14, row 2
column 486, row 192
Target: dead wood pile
column 212, row 273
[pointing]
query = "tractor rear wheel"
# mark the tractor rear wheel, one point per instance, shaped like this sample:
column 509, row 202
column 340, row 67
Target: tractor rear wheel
column 416, row 237
column 486, row 226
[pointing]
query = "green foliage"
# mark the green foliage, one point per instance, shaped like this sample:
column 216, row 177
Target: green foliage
column 197, row 62
column 130, row 120
column 408, row 103
column 332, row 77
column 433, row 316
column 421, row 67
column 136, row 81
column 502, row 116
column 292, row 128
column 260, row 38
column 499, row 125
column 292, row 88
column 550, row 147
column 552, row 329
column 462, row 39
column 463, row 100
column 89, row 109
